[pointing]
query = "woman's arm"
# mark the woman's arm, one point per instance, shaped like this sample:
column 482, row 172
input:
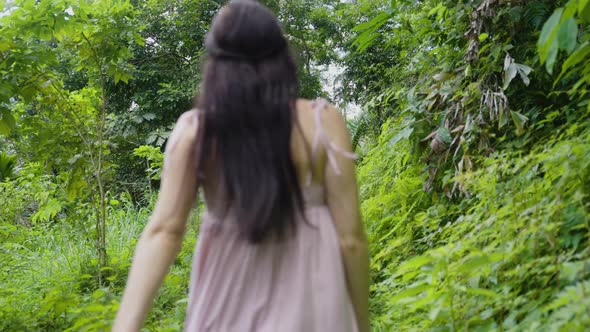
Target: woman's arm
column 161, row 239
column 342, row 197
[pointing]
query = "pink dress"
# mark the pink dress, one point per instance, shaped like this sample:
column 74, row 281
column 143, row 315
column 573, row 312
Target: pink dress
column 296, row 285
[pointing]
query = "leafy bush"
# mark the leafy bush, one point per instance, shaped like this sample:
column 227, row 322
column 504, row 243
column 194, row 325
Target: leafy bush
column 48, row 277
column 474, row 141
column 508, row 258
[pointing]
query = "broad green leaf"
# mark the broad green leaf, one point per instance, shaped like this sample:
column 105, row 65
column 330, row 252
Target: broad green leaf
column 578, row 56
column 139, row 40
column 117, row 77
column 568, row 35
column 402, row 134
column 414, row 263
column 548, row 35
column 552, row 56
column 569, row 11
column 365, row 40
column 435, row 9
column 584, row 10
column 5, row 45
column 549, row 27
column 28, row 92
column 433, row 314
column 409, row 292
column 7, row 123
column 369, row 31
column 483, row 37
column 4, row 128
column 47, row 211
column 473, row 263
column 373, row 24
column 8, row 118
column 519, row 121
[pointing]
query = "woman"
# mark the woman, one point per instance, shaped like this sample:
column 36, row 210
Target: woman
column 281, row 246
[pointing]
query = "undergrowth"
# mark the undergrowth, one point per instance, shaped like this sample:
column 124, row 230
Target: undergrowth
column 513, row 255
column 48, row 279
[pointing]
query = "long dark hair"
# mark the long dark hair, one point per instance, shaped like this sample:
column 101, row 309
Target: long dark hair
column 247, row 103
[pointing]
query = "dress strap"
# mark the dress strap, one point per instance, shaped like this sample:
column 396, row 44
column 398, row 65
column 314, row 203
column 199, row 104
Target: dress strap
column 321, row 138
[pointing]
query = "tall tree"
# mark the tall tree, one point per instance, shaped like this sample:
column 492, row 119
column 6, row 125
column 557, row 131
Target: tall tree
column 46, row 40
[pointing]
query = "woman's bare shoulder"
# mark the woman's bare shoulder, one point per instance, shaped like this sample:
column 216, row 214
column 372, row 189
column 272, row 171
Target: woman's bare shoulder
column 190, row 117
column 331, row 118
column 185, row 130
column 303, row 105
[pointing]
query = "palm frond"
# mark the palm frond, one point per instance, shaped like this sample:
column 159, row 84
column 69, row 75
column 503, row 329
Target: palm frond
column 7, row 166
column 535, row 13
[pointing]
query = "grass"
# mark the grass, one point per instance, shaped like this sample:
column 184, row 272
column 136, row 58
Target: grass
column 49, row 275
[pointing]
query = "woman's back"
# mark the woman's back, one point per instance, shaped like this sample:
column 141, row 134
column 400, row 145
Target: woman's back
column 294, row 284
column 282, row 246
column 304, row 144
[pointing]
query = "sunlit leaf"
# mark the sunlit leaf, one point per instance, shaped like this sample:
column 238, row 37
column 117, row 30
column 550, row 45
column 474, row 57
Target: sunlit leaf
column 409, row 292
column 369, row 31
column 547, row 44
column 474, row 262
column 414, row 263
column 552, row 56
column 577, row 57
column 568, row 35
column 482, row 291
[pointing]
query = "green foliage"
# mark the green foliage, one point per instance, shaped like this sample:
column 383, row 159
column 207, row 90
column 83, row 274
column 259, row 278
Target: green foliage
column 32, row 196
column 154, row 158
column 499, row 240
column 7, row 166
column 507, row 258
column 49, row 282
column 312, row 33
column 7, row 122
column 560, row 32
column 474, row 170
column 563, row 32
